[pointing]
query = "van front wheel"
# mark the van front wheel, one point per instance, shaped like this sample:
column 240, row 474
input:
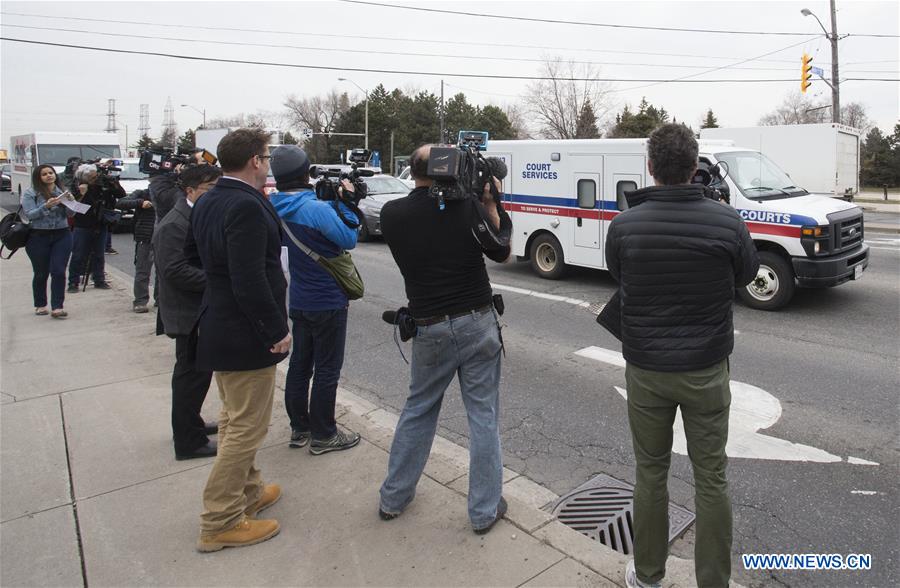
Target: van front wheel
column 547, row 259
column 773, row 286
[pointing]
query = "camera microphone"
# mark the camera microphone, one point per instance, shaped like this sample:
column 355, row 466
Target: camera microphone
column 365, row 173
column 497, row 167
column 389, row 316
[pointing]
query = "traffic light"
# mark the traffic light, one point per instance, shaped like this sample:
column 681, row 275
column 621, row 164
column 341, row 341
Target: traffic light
column 806, row 73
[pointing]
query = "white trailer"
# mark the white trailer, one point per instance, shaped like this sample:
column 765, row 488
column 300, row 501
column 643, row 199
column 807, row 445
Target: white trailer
column 45, row 148
column 562, row 195
column 209, row 138
column 821, row 158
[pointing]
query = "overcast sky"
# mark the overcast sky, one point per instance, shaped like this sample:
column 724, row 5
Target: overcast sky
column 65, row 89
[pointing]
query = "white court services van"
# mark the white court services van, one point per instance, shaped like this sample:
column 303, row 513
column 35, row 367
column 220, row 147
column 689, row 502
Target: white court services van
column 562, row 195
column 34, row 149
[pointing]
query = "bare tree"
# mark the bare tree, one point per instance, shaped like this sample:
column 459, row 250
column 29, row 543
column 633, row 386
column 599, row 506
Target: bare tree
column 853, row 114
column 557, row 102
column 796, row 109
column 319, row 114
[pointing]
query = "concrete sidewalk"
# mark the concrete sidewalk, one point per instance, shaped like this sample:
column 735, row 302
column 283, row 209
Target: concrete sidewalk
column 92, row 494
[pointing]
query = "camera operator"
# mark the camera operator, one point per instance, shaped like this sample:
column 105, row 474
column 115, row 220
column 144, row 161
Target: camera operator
column 318, row 305
column 96, row 188
column 144, row 222
column 456, row 332
column 164, row 188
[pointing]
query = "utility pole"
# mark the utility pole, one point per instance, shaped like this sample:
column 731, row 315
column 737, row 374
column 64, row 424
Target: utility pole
column 442, row 140
column 835, row 80
column 835, row 83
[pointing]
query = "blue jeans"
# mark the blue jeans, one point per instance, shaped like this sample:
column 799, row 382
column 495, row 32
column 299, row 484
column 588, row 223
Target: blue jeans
column 318, row 354
column 468, row 347
column 88, row 242
column 49, row 252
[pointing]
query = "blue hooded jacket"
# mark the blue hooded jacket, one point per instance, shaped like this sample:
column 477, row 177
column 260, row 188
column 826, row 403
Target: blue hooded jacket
column 316, row 224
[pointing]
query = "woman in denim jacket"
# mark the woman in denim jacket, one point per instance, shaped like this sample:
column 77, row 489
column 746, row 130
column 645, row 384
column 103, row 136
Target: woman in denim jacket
column 50, row 241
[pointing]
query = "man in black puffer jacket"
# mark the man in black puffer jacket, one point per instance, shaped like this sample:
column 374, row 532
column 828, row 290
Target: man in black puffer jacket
column 678, row 257
column 144, row 221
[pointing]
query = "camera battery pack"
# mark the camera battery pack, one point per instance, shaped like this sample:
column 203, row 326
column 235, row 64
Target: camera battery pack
column 443, row 163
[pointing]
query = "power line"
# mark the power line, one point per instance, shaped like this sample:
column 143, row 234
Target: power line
column 401, row 72
column 375, row 38
column 371, row 51
column 589, row 24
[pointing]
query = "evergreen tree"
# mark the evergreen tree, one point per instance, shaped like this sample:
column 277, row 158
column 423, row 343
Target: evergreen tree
column 145, row 142
column 289, row 139
column 493, row 120
column 586, row 127
column 187, row 141
column 640, row 124
column 710, row 122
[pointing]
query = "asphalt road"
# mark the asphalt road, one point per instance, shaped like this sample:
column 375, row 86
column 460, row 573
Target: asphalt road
column 830, row 361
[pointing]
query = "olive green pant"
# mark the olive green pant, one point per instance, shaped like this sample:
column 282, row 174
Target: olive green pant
column 234, row 482
column 704, row 397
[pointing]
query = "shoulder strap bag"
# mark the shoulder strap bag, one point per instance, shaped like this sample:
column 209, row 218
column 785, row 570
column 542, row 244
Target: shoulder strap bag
column 341, row 267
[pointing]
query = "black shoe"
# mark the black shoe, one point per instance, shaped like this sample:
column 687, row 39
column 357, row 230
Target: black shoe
column 501, row 511
column 387, row 516
column 211, row 428
column 73, row 289
column 111, row 251
column 299, row 438
column 102, row 286
column 208, row 450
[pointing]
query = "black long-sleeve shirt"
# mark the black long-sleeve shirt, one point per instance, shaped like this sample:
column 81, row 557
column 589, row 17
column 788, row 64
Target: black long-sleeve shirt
column 441, row 261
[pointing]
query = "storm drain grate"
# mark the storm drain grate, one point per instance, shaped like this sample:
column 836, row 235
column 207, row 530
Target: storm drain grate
column 603, row 510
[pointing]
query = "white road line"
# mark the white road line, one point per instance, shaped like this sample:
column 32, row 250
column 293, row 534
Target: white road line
column 605, row 355
column 752, row 410
column 536, row 294
column 884, row 248
column 864, row 492
column 858, row 461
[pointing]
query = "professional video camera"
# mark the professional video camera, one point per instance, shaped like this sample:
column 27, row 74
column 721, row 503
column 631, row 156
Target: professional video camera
column 157, row 161
column 461, row 172
column 712, row 178
column 327, row 188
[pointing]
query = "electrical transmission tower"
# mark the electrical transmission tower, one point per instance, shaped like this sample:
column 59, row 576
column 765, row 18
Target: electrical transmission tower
column 144, row 121
column 111, row 117
column 170, row 132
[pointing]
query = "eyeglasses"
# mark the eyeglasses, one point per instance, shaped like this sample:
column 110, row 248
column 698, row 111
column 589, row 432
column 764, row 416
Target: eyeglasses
column 264, row 156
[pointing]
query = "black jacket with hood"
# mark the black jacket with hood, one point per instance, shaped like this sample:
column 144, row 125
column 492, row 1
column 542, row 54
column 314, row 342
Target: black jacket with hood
column 678, row 257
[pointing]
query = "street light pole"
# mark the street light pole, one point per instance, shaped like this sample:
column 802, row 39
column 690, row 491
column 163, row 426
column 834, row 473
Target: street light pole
column 367, row 106
column 835, row 80
column 203, row 112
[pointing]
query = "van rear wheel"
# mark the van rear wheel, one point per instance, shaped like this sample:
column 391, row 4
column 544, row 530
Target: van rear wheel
column 547, row 259
column 773, row 286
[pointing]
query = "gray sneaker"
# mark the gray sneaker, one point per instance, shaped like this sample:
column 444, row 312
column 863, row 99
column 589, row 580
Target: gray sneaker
column 337, row 442
column 631, row 579
column 298, row 438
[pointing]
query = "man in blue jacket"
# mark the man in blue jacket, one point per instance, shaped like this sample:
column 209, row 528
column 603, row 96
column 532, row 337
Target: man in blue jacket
column 318, row 305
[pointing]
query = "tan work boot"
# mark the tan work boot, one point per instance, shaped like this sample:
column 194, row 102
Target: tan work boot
column 271, row 493
column 246, row 532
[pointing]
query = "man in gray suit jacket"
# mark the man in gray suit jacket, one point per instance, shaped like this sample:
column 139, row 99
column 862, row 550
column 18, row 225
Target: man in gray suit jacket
column 180, row 292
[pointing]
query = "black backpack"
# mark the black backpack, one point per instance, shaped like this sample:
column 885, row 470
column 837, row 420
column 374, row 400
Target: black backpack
column 13, row 233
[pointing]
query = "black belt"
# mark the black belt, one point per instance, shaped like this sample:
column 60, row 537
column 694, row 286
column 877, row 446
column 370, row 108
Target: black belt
column 433, row 320
column 48, row 231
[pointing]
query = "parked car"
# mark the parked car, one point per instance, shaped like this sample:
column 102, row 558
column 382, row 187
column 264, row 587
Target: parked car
column 381, row 190
column 406, row 178
column 5, row 178
column 130, row 178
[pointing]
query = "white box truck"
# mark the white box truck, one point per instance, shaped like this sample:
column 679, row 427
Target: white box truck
column 209, row 138
column 47, row 148
column 562, row 195
column 821, row 158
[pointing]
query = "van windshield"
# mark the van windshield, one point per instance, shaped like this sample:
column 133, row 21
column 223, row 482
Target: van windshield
column 60, row 154
column 757, row 176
